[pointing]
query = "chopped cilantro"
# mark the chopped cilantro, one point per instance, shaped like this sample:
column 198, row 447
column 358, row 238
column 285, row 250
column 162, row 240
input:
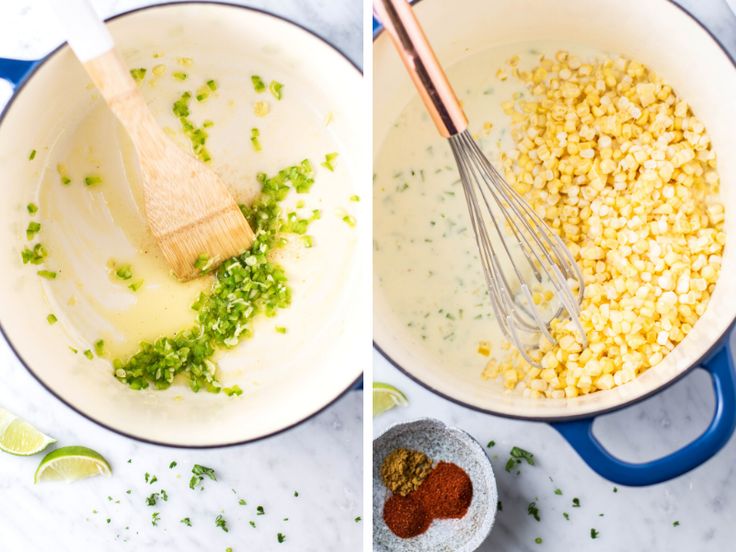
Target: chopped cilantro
column 260, row 511
column 675, row 524
column 258, row 84
column 211, row 84
column 520, row 454
column 538, row 540
column 594, row 534
column 199, row 473
column 51, row 319
column 242, row 502
column 92, row 180
column 32, row 208
column 155, row 518
column 32, row 155
column 357, row 519
column 566, row 516
column 296, row 493
column 491, row 444
column 576, row 502
column 558, row 491
column 48, row 274
column 329, row 158
column 151, row 500
column 221, row 523
column 164, row 495
column 252, row 524
column 533, row 511
column 186, row 521
column 281, row 537
column 138, row 74
column 172, row 465
column 88, row 354
column 349, row 220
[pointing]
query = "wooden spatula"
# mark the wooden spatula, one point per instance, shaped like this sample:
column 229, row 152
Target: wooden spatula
column 189, row 209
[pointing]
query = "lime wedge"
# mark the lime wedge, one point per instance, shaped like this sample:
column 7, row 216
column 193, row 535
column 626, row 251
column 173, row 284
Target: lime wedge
column 71, row 464
column 386, row 397
column 19, row 437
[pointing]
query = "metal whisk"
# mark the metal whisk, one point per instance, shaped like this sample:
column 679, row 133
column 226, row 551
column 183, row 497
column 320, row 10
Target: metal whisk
column 520, row 254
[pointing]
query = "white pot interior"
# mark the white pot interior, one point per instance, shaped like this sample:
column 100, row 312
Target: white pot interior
column 657, row 33
column 285, row 378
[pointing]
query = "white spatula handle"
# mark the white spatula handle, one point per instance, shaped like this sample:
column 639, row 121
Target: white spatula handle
column 85, row 31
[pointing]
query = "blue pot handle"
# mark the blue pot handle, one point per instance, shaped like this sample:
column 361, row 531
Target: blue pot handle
column 15, row 70
column 720, row 366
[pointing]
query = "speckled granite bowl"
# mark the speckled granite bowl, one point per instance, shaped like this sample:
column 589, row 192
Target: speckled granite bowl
column 439, row 442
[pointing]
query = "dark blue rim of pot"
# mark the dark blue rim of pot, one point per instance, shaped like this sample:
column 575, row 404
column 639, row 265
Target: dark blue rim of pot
column 578, row 429
column 18, row 73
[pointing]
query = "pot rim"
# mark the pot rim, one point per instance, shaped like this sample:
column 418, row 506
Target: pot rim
column 37, row 64
column 719, row 342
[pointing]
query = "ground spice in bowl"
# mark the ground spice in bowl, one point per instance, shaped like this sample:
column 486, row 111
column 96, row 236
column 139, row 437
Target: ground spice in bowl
column 404, row 470
column 447, row 492
column 440, row 493
column 406, row 516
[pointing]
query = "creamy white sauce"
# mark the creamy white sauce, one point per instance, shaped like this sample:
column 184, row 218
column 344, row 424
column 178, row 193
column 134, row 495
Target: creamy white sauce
column 87, row 228
column 425, row 255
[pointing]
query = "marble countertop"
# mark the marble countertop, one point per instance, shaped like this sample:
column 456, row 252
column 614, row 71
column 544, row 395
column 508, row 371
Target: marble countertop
column 75, row 517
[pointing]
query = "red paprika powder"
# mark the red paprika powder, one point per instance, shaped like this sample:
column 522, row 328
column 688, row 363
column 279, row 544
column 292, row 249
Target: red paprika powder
column 447, row 492
column 405, row 515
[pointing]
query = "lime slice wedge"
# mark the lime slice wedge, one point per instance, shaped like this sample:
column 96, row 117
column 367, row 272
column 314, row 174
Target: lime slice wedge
column 71, row 464
column 386, row 397
column 19, row 437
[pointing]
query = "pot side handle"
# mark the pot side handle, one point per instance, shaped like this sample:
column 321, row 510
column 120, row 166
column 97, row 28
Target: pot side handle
column 579, row 433
column 15, row 70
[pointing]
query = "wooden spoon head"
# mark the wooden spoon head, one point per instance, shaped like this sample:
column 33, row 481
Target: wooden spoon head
column 192, row 214
column 203, row 245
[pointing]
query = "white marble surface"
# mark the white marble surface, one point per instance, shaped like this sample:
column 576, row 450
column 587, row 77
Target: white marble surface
column 60, row 517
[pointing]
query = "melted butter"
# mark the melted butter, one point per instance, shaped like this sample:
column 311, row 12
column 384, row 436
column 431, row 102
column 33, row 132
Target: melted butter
column 96, row 227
